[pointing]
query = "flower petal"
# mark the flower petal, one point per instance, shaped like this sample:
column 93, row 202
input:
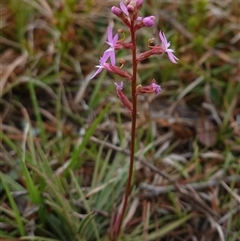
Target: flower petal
column 124, row 8
column 97, row 72
column 156, row 88
column 172, row 57
column 163, row 38
column 109, row 29
column 115, row 39
column 104, row 58
column 112, row 57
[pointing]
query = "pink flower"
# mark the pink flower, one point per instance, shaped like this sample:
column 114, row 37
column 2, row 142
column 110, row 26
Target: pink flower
column 111, row 42
column 125, row 9
column 119, row 86
column 102, row 64
column 156, row 88
column 165, row 46
column 152, row 88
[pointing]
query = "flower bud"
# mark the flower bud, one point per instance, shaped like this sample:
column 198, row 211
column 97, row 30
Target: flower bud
column 145, row 22
column 130, row 8
column 139, row 3
column 148, row 21
column 117, row 11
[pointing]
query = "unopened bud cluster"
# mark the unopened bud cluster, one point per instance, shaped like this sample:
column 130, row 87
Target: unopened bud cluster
column 128, row 13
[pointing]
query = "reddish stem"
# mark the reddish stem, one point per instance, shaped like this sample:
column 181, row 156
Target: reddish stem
column 133, row 130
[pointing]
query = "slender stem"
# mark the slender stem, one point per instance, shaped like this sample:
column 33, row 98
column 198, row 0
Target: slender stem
column 133, row 130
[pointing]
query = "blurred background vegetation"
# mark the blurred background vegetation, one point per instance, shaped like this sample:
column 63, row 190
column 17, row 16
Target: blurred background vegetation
column 64, row 138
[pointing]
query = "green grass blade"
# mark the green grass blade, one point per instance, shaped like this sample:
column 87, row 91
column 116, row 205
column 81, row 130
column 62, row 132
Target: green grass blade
column 84, row 223
column 169, row 227
column 37, row 110
column 33, row 190
column 14, row 207
column 37, row 238
column 75, row 158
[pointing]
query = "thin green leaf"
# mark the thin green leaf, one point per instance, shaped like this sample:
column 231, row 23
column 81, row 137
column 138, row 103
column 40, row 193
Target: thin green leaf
column 14, row 207
column 84, row 223
column 169, row 227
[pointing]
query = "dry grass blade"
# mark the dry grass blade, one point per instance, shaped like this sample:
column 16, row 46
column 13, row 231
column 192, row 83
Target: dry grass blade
column 235, row 195
column 154, row 191
column 6, row 70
